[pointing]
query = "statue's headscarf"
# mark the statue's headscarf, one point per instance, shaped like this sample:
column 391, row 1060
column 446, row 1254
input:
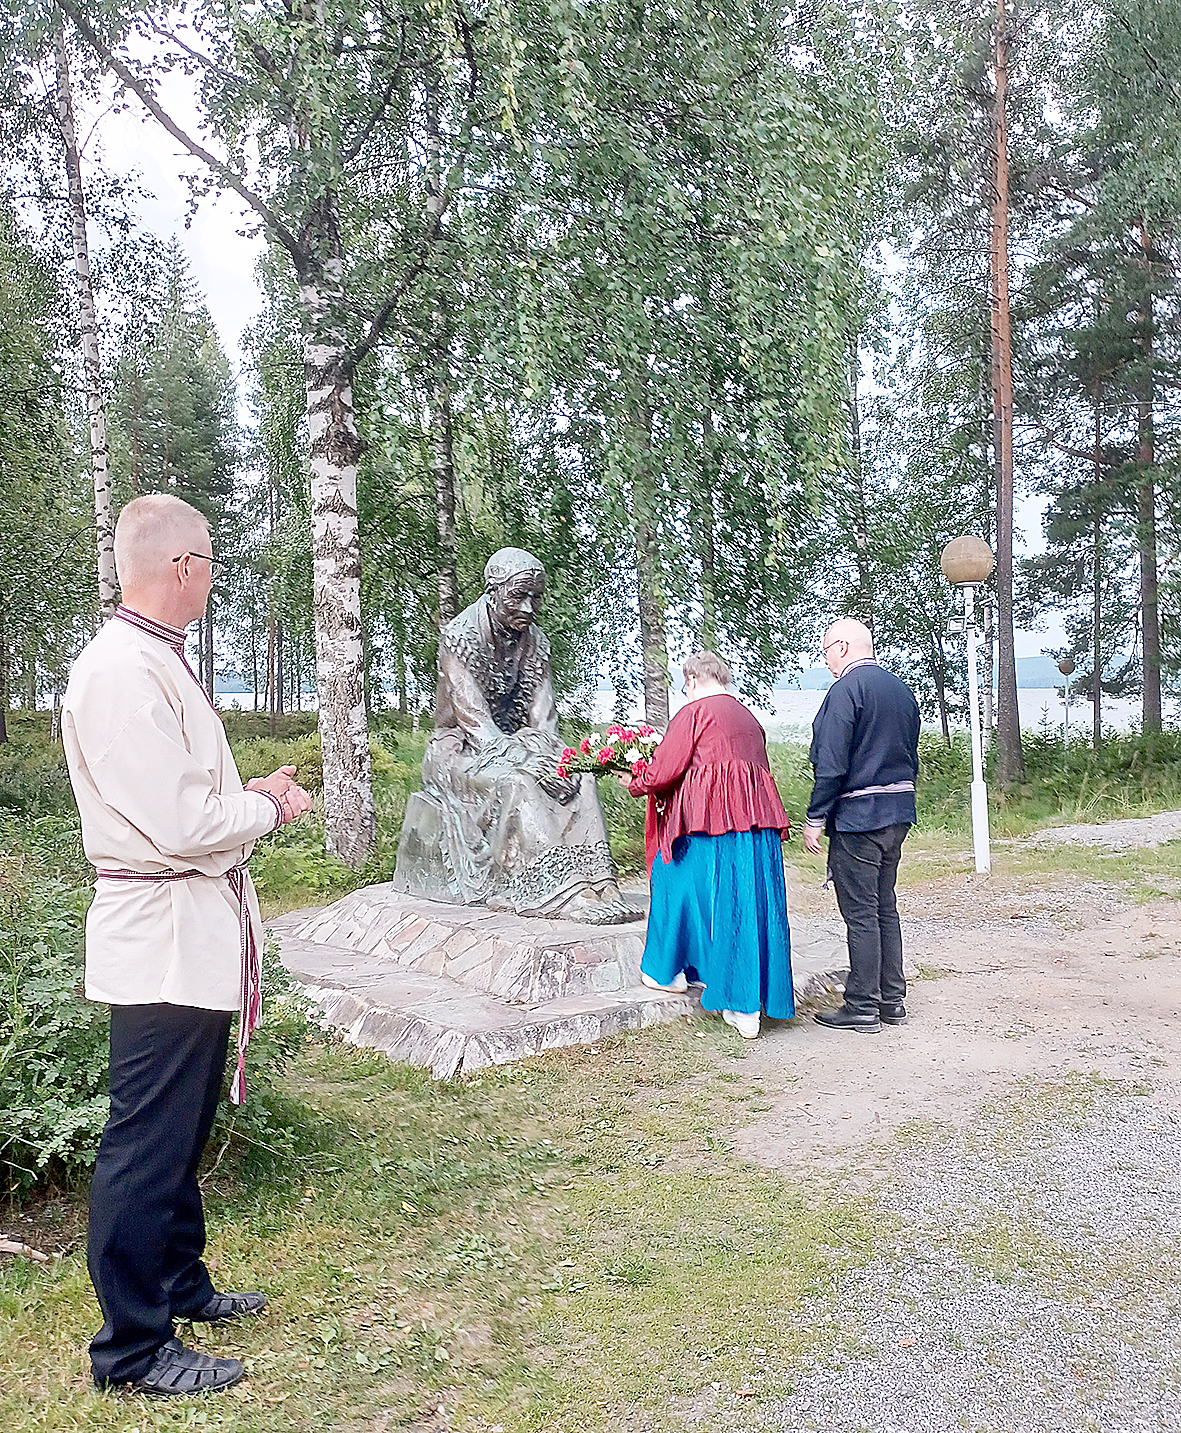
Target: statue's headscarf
column 509, row 562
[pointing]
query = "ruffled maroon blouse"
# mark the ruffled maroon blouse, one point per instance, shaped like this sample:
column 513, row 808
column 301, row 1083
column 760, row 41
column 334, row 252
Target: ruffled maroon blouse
column 709, row 775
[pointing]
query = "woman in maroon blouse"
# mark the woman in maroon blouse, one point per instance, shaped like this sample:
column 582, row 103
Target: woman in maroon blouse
column 714, row 830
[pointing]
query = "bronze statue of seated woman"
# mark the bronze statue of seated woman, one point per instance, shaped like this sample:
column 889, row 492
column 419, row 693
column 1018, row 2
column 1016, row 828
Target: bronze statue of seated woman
column 494, row 824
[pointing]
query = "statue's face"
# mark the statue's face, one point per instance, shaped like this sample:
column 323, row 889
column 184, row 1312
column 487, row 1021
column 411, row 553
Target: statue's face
column 516, row 602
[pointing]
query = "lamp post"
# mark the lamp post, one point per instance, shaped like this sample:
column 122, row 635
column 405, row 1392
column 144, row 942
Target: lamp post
column 1066, row 667
column 966, row 563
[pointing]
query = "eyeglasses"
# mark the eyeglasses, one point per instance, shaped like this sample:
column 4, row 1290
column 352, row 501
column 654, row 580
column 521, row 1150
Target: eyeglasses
column 837, row 643
column 217, row 565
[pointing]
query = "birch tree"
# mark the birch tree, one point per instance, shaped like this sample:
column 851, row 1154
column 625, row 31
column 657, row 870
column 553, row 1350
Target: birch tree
column 104, row 517
column 301, row 107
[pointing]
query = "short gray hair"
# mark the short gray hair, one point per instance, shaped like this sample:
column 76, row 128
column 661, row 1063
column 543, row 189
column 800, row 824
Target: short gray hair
column 151, row 531
column 707, row 667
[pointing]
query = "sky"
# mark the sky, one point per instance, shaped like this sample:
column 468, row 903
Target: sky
column 223, row 262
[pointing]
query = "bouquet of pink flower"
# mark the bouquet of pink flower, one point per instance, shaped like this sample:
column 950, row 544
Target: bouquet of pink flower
column 620, row 748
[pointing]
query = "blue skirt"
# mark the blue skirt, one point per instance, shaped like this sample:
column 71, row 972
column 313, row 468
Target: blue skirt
column 719, row 913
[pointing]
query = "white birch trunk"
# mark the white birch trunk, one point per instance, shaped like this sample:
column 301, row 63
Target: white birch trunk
column 442, row 451
column 334, row 447
column 108, row 590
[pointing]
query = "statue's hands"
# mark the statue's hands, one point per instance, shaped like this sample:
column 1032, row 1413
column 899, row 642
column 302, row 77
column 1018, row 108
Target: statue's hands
column 535, row 752
column 560, row 788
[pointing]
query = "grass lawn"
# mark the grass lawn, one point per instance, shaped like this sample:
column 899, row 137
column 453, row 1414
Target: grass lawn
column 564, row 1244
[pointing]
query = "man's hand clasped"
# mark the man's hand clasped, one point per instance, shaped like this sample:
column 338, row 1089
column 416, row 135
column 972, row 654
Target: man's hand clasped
column 292, row 798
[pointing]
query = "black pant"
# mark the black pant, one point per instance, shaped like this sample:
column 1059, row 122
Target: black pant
column 147, row 1227
column 864, row 866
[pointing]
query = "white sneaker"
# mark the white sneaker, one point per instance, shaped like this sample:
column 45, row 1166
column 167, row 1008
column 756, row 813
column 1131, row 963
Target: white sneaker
column 746, row 1025
column 678, row 987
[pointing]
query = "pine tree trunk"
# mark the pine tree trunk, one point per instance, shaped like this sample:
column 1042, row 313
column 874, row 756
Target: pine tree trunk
column 272, row 724
column 863, row 600
column 108, row 590
column 1011, row 765
column 706, row 536
column 1146, row 505
column 1097, row 578
column 653, row 638
column 280, row 674
column 400, row 668
column 988, row 699
column 3, row 669
column 939, row 674
column 207, row 632
column 443, row 466
column 334, row 448
column 254, row 656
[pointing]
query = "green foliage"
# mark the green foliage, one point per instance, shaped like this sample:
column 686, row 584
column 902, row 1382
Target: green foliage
column 291, row 867
column 47, row 513
column 262, row 755
column 34, row 779
column 53, row 1042
column 53, row 1059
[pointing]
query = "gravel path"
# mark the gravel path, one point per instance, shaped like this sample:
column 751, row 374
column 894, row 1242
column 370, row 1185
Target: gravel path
column 1116, row 835
column 1032, row 1284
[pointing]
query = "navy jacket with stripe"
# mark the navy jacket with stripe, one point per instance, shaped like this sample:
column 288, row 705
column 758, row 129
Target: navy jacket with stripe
column 866, row 734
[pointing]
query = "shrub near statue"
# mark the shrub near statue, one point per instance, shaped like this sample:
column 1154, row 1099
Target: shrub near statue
column 494, row 823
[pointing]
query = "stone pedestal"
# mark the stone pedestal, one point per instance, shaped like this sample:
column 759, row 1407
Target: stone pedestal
column 459, row 988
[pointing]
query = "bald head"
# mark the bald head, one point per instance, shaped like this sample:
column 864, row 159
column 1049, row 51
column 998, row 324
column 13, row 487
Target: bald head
column 847, row 640
column 151, row 531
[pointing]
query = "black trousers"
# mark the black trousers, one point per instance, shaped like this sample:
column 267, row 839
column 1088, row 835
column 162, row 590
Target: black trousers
column 147, row 1226
column 864, row 866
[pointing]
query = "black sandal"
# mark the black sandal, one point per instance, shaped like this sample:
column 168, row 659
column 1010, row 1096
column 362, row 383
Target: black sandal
column 177, row 1370
column 227, row 1306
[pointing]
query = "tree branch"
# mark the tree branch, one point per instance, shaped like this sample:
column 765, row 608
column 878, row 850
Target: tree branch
column 383, row 315
column 382, row 105
column 1088, row 457
column 381, row 319
column 143, row 91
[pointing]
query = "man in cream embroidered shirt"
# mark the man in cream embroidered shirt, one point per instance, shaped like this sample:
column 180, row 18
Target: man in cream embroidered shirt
column 158, row 791
column 173, row 942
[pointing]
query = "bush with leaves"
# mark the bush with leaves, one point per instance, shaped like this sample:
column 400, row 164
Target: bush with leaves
column 53, row 1041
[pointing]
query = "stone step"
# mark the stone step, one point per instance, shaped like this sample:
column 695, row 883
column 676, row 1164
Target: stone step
column 524, row 960
column 430, row 1020
column 421, row 1018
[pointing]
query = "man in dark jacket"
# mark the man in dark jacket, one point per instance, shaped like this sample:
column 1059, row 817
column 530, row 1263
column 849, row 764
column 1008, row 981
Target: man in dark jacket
column 865, row 758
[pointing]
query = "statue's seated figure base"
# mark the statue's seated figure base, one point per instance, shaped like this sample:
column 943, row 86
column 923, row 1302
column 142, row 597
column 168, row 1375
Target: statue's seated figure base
column 494, row 824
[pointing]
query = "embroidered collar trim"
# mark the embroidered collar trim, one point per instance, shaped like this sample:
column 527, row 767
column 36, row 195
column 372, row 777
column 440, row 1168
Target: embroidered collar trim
column 174, row 636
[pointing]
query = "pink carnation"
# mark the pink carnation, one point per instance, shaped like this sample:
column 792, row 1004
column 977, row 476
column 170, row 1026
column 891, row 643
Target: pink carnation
column 585, row 746
column 606, row 754
column 646, row 731
column 563, row 770
column 639, row 767
column 568, row 754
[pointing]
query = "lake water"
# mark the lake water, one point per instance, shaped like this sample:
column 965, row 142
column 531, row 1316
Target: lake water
column 790, row 713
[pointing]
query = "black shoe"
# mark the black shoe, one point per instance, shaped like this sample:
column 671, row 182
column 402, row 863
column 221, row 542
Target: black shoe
column 227, row 1306
column 892, row 1012
column 845, row 1019
column 177, row 1370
